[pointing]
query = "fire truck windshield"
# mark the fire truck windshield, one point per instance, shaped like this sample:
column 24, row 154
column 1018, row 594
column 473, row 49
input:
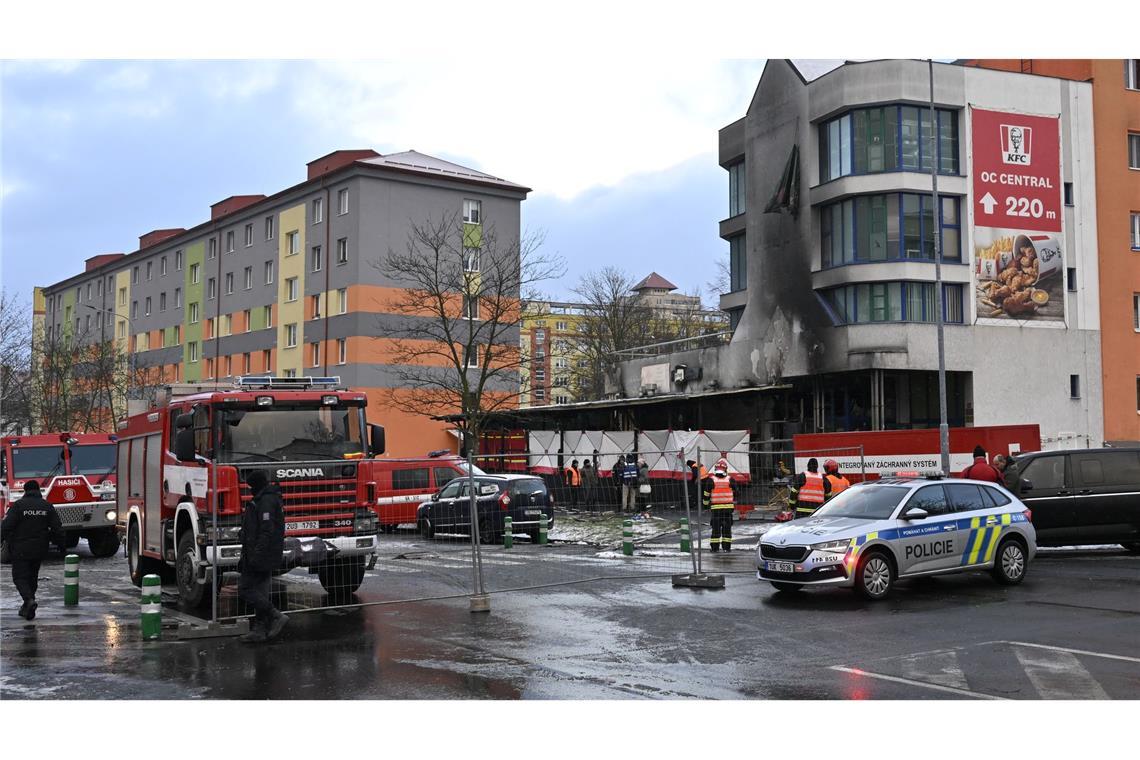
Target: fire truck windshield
column 97, row 460
column 291, row 434
column 36, row 461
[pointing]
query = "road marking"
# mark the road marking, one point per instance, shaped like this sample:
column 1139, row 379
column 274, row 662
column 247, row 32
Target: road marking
column 1072, row 651
column 1058, row 674
column 896, row 679
column 936, row 667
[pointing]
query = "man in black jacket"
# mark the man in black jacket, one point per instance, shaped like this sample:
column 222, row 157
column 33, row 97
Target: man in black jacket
column 262, row 542
column 27, row 527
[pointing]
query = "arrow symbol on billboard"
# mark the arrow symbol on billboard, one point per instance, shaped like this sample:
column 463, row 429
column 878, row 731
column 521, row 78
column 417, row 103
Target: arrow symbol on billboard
column 988, row 202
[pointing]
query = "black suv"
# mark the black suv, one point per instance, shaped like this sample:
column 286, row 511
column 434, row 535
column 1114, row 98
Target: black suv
column 523, row 497
column 1084, row 496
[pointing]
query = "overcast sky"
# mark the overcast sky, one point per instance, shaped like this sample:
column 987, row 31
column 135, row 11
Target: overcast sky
column 621, row 157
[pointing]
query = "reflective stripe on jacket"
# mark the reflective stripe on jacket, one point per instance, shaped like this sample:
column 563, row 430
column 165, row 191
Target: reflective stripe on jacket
column 721, row 492
column 812, row 489
column 573, row 477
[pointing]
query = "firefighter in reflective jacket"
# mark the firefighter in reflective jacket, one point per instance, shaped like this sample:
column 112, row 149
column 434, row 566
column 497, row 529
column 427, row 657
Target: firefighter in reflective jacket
column 838, row 483
column 718, row 497
column 811, row 489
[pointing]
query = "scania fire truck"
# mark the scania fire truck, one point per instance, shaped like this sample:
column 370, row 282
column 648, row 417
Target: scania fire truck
column 183, row 467
column 76, row 473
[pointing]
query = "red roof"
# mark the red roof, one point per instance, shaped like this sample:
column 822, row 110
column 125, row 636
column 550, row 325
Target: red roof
column 654, row 280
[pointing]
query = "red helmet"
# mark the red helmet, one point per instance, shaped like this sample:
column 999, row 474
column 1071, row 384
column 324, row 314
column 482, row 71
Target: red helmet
column 831, row 466
column 721, row 465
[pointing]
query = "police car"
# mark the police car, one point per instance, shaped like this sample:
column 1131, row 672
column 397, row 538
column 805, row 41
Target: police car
column 877, row 532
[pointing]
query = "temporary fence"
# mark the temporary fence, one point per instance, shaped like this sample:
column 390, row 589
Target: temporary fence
column 496, row 529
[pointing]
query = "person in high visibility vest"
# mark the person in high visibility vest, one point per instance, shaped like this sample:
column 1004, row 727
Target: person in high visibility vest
column 719, row 498
column 811, row 489
column 838, row 483
column 573, row 482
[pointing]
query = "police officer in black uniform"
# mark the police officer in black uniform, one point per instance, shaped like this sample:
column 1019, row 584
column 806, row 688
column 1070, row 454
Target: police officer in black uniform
column 27, row 527
column 262, row 543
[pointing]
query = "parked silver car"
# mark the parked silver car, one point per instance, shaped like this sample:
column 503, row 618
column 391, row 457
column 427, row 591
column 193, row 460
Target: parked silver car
column 877, row 532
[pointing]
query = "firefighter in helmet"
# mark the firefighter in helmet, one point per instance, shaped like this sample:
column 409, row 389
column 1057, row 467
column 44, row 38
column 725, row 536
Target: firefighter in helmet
column 811, row 489
column 718, row 496
column 838, row 483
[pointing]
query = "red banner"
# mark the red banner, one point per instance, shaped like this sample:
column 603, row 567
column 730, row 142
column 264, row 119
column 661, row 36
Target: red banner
column 1016, row 171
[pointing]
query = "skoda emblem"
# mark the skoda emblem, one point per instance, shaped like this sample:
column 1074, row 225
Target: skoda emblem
column 783, row 540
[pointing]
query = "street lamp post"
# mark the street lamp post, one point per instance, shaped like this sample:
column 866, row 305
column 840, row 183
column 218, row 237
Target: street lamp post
column 943, row 425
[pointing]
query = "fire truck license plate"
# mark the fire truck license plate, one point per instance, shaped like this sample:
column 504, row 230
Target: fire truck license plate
column 307, row 525
column 782, row 567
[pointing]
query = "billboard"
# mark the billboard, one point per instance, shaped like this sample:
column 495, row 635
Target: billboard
column 1019, row 271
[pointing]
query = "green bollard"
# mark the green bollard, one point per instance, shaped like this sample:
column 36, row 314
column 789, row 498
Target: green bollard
column 627, row 538
column 71, row 580
column 542, row 529
column 686, row 536
column 151, row 607
column 508, row 533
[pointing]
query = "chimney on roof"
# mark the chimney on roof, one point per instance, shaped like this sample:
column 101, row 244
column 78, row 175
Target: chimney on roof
column 157, row 236
column 97, row 261
column 336, row 160
column 232, row 204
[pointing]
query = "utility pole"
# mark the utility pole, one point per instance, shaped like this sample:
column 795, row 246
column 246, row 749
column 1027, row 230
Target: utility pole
column 943, row 425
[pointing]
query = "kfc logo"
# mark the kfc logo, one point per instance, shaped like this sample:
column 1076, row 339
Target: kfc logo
column 1016, row 144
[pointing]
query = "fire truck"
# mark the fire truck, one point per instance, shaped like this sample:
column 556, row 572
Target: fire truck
column 183, row 467
column 76, row 472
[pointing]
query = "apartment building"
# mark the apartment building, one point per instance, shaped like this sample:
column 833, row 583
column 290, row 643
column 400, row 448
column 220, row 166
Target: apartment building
column 285, row 283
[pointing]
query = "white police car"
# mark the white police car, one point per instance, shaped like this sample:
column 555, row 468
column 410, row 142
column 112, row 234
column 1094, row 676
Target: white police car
column 877, row 532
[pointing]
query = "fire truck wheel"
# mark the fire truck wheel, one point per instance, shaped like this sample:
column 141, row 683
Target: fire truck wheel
column 104, row 542
column 388, row 528
column 72, row 540
column 342, row 577
column 192, row 593
column 138, row 565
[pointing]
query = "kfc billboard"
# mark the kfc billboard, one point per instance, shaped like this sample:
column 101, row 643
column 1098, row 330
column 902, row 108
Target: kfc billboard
column 1016, row 202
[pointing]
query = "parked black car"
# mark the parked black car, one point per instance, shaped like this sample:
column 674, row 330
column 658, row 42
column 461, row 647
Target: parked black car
column 1085, row 496
column 523, row 497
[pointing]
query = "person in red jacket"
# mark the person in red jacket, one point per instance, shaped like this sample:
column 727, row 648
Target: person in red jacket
column 981, row 469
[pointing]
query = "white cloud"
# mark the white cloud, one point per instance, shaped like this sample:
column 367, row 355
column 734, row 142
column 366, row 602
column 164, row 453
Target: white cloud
column 558, row 126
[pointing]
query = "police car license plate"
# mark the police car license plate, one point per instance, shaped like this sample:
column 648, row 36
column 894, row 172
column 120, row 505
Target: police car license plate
column 782, row 567
column 306, row 525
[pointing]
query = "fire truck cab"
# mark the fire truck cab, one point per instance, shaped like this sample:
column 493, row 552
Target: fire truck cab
column 183, row 468
column 76, row 473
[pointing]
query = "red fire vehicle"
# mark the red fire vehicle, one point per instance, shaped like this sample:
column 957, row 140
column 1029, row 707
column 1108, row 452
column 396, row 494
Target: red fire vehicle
column 402, row 485
column 76, row 472
column 183, row 467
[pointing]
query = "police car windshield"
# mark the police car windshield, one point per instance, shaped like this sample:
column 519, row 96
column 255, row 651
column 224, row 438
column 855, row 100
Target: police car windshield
column 36, row 461
column 291, row 434
column 866, row 502
column 93, row 460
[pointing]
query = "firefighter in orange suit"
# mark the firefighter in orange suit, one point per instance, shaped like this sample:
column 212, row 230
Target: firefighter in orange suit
column 719, row 497
column 838, row 483
column 811, row 489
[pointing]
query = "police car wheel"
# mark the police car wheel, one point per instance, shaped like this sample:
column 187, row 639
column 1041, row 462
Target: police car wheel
column 874, row 576
column 1009, row 567
column 786, row 587
column 426, row 529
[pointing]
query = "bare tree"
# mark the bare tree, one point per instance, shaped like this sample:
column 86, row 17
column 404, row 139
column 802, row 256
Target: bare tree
column 15, row 362
column 455, row 341
column 613, row 320
column 721, row 281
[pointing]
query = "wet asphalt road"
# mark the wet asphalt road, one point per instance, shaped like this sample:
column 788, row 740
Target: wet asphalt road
column 1069, row 631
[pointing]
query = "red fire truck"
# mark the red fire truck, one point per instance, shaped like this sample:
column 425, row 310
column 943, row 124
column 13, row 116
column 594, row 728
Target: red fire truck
column 183, row 467
column 76, row 472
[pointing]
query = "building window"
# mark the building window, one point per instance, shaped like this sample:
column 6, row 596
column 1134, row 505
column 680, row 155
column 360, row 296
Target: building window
column 341, row 350
column 178, row 261
column 470, row 307
column 209, row 369
column 1133, row 150
column 269, row 273
column 1074, row 386
column 146, row 307
column 472, row 211
column 886, row 139
column 134, row 312
column 230, row 241
column 162, row 301
column 540, row 375
column 539, row 336
column 135, row 276
column 1071, row 279
column 229, row 366
column 249, row 278
column 560, row 326
column 342, row 201
column 192, row 350
column 318, row 259
column 1138, row 394
column 470, row 356
column 229, row 283
column 195, row 274
column 342, row 251
column 268, row 228
column 177, row 334
column 315, row 352
column 213, row 248
column 1132, row 73
column 736, row 188
column 315, row 306
column 149, row 274
column 122, row 298
column 291, row 289
column 247, row 319
column 1136, row 312
column 318, row 210
column 161, row 269
column 245, row 364
column 737, row 264
column 291, row 335
column 211, row 288
column 539, row 394
column 267, row 359
column 123, row 329
column 1068, row 190
column 471, row 259
column 178, row 298
column 194, row 313
column 267, row 312
column 893, row 302
column 293, row 240
column 888, row 227
column 342, row 300
column 1136, row 231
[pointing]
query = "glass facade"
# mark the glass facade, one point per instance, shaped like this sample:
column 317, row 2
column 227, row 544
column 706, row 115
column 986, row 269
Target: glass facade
column 888, row 228
column 887, row 139
column 737, row 264
column 892, row 302
column 736, row 189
